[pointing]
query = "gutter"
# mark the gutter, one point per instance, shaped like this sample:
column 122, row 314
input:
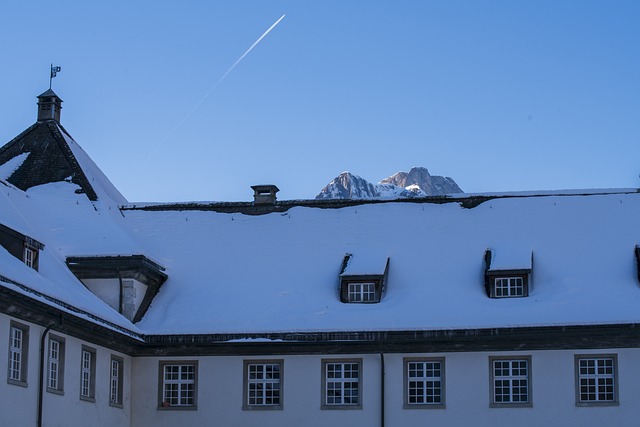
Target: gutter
column 382, row 373
column 41, row 374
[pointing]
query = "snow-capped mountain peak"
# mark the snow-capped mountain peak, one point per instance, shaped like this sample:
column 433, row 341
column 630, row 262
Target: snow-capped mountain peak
column 415, row 183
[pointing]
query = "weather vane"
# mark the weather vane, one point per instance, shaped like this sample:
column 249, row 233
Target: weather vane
column 54, row 72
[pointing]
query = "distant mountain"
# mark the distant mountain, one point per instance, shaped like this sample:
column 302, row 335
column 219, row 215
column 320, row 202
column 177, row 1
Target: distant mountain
column 415, row 183
column 432, row 185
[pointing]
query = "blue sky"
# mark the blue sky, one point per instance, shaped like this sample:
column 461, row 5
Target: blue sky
column 499, row 95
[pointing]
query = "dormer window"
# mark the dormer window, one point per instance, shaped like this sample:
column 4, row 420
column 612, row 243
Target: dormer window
column 20, row 246
column 363, row 281
column 361, row 292
column 507, row 287
column 30, row 256
column 508, row 277
column 127, row 283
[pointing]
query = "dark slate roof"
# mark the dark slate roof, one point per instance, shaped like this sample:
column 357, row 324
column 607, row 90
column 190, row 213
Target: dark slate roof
column 49, row 92
column 50, row 158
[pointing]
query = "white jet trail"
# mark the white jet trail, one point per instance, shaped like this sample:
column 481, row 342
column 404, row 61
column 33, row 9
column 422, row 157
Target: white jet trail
column 204, row 98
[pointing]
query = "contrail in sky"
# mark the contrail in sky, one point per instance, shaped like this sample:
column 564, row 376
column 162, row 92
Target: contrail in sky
column 210, row 91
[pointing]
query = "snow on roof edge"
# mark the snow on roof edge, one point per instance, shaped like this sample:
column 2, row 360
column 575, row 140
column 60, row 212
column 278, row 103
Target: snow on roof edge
column 51, row 301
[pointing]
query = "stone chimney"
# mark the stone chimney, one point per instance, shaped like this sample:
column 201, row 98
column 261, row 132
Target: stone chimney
column 264, row 194
column 49, row 106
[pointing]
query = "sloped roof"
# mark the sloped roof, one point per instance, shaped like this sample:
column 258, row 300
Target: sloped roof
column 49, row 92
column 53, row 283
column 53, row 156
column 234, row 273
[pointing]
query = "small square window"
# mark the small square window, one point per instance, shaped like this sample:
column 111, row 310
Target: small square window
column 263, row 384
column 596, row 380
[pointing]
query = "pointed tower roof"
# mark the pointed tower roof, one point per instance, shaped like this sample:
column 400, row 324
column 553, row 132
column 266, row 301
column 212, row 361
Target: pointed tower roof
column 52, row 156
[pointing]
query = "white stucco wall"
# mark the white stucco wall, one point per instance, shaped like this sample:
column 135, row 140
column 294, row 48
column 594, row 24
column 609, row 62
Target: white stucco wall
column 220, row 395
column 19, row 404
column 467, row 393
column 108, row 290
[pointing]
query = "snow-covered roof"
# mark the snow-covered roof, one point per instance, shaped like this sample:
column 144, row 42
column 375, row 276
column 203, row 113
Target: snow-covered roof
column 515, row 256
column 278, row 269
column 365, row 263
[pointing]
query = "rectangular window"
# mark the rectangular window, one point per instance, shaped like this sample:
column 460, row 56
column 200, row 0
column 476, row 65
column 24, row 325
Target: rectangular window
column 263, row 384
column 178, row 385
column 115, row 381
column 506, row 287
column 510, row 378
column 87, row 373
column 341, row 384
column 55, row 365
column 424, row 383
column 30, row 257
column 596, row 380
column 361, row 292
column 18, row 353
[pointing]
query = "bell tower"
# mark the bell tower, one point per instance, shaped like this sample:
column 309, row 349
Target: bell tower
column 49, row 106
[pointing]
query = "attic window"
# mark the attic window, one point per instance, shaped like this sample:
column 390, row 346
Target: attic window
column 362, row 292
column 30, row 256
column 20, row 246
column 363, row 281
column 509, row 277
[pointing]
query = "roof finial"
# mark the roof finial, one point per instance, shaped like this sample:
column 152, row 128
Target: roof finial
column 54, row 72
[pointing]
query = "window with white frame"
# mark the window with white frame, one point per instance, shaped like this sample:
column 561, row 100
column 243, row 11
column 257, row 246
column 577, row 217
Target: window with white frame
column 88, row 373
column 506, row 287
column 55, row 364
column 341, row 384
column 424, row 383
column 596, row 380
column 511, row 383
column 18, row 352
column 263, row 384
column 361, row 292
column 115, row 381
column 178, row 385
column 30, row 255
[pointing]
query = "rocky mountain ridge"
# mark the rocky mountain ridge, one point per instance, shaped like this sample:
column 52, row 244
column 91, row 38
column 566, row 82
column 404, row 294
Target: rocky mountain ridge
column 415, row 183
